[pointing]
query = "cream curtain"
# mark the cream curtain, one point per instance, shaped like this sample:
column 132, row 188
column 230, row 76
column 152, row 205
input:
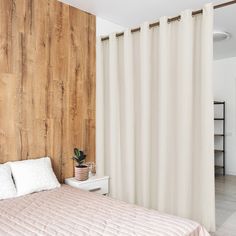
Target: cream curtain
column 155, row 116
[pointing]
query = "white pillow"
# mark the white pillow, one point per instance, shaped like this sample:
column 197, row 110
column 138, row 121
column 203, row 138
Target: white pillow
column 33, row 175
column 7, row 186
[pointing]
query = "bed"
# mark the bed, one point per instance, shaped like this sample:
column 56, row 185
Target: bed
column 70, row 211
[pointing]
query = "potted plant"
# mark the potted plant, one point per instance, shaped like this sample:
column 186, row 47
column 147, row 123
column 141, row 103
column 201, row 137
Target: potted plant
column 81, row 170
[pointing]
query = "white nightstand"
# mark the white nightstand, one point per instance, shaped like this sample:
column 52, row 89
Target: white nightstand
column 93, row 184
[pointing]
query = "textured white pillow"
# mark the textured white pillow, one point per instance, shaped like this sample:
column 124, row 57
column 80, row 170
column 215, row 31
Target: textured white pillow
column 33, row 175
column 7, row 186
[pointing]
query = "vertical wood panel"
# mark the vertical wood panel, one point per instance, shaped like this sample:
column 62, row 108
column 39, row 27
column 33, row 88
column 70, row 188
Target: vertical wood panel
column 47, row 60
column 8, row 109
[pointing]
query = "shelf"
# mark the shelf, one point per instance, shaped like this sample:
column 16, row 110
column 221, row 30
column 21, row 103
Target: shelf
column 219, row 167
column 218, row 103
column 220, row 152
column 216, row 150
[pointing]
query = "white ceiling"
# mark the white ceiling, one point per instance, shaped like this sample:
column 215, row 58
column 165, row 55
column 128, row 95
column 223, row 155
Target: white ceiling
column 131, row 13
column 225, row 20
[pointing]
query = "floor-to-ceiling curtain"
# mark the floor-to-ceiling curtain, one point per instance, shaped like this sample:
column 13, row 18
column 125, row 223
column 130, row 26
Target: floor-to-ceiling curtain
column 155, row 116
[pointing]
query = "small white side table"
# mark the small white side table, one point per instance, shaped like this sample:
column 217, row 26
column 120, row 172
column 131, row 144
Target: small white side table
column 93, row 184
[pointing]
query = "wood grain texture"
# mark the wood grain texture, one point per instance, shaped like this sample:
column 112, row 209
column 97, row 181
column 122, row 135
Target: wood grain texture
column 47, row 82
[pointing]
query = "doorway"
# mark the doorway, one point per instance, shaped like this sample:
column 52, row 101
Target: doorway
column 224, row 80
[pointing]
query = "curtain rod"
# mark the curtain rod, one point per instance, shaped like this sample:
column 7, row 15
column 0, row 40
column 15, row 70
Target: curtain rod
column 194, row 13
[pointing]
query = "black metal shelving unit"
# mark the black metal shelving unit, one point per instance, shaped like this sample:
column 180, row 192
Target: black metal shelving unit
column 221, row 135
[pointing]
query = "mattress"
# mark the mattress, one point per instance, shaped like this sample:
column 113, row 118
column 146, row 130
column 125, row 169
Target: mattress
column 69, row 211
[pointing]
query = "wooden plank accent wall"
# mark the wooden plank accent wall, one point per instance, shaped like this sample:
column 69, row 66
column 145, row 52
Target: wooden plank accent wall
column 47, row 82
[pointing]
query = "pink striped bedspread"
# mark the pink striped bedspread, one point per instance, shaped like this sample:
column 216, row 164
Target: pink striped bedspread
column 68, row 211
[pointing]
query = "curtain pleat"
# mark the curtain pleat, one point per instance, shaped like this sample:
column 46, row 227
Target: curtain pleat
column 100, row 109
column 155, row 123
column 184, row 115
column 145, row 113
column 129, row 116
column 114, row 121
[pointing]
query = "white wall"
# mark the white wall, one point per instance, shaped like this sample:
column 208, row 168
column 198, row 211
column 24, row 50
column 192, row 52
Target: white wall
column 225, row 89
column 105, row 27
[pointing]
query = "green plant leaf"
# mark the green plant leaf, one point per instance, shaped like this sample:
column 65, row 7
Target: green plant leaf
column 79, row 156
column 77, row 152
